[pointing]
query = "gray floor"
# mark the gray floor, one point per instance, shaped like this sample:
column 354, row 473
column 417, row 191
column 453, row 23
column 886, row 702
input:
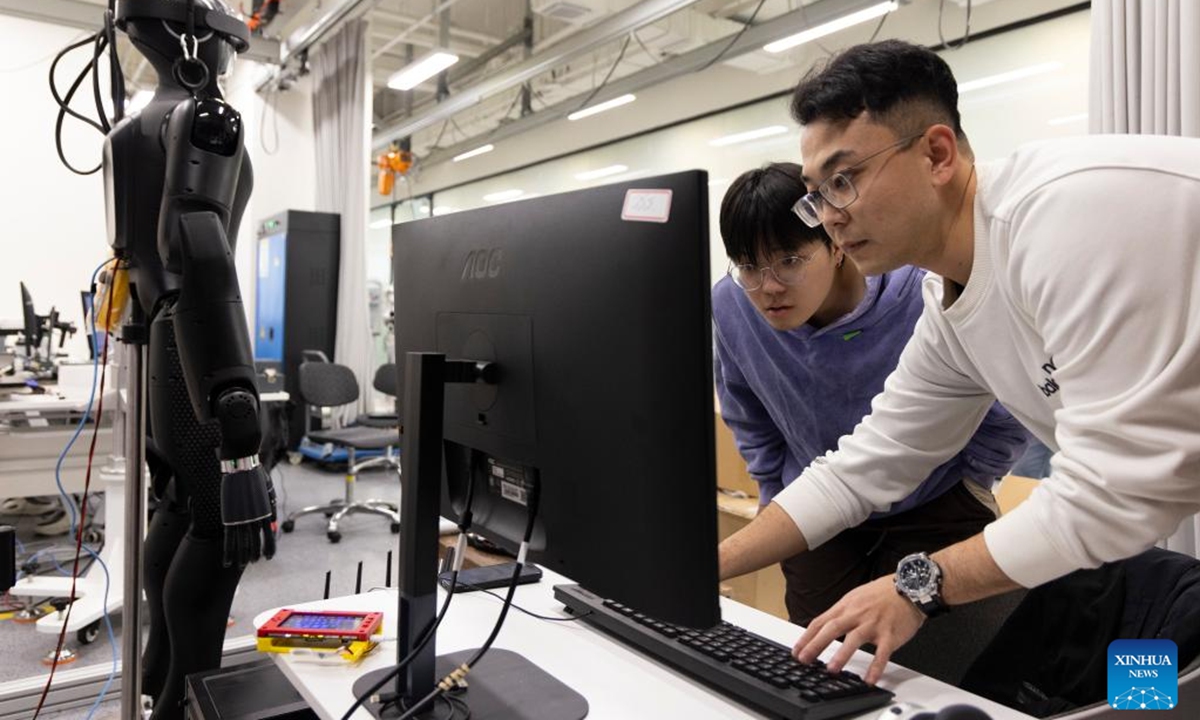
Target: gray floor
column 296, row 574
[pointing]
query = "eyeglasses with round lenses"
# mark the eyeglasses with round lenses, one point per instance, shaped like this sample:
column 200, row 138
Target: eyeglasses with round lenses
column 786, row 270
column 838, row 189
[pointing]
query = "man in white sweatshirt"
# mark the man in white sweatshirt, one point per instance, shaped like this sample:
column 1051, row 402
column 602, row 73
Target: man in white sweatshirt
column 1069, row 290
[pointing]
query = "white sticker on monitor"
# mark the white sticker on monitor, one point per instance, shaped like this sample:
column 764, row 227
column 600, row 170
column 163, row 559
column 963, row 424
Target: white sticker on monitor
column 645, row 205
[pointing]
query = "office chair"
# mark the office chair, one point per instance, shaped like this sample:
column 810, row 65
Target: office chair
column 328, row 385
column 384, row 382
column 1050, row 658
column 947, row 645
column 1188, row 701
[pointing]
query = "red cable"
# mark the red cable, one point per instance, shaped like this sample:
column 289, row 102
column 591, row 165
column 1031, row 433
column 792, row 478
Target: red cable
column 87, row 481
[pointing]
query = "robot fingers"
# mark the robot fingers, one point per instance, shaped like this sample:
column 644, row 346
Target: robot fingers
column 268, row 540
column 244, row 544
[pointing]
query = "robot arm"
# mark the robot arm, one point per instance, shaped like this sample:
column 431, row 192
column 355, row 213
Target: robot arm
column 204, row 158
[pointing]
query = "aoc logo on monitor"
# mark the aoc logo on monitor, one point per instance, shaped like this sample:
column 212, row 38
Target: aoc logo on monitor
column 482, row 264
column 1143, row 674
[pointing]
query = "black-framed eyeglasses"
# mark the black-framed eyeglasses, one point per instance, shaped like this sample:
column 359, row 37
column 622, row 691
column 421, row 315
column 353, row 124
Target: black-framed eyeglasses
column 787, row 270
column 838, row 189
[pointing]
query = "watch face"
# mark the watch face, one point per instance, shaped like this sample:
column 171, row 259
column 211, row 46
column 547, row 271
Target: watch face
column 915, row 575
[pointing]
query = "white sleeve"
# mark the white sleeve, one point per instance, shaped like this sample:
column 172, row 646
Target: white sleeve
column 927, row 412
column 1112, row 281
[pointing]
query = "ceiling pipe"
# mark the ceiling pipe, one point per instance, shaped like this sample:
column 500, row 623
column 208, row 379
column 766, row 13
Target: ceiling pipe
column 306, row 37
column 443, row 6
column 607, row 30
column 461, row 69
column 301, row 40
column 404, row 21
column 751, row 40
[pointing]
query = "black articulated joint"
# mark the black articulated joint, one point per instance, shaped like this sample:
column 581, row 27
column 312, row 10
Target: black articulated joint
column 236, row 411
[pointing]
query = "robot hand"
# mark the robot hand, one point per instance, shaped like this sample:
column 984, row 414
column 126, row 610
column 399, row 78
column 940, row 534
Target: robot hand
column 248, row 514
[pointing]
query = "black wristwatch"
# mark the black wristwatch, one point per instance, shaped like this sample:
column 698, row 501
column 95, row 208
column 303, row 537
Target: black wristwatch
column 919, row 579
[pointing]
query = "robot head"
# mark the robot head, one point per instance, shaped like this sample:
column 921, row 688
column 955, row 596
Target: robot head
column 156, row 27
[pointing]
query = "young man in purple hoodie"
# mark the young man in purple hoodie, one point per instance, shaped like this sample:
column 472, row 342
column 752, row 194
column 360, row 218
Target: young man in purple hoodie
column 803, row 342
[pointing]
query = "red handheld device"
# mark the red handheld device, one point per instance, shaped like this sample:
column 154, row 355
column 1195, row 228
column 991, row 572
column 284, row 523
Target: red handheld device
column 330, row 624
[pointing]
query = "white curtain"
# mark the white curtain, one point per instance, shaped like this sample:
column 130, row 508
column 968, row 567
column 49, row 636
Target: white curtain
column 340, row 122
column 1144, row 65
column 1145, row 78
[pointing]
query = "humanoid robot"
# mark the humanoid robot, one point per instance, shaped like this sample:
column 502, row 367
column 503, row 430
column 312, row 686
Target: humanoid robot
column 177, row 180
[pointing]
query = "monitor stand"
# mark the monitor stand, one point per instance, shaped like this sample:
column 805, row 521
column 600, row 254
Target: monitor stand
column 504, row 685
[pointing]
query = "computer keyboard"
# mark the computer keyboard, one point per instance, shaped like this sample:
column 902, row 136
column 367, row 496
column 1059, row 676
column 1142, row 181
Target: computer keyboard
column 747, row 667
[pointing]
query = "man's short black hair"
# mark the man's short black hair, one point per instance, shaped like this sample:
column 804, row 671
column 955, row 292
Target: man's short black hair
column 757, row 218
column 903, row 86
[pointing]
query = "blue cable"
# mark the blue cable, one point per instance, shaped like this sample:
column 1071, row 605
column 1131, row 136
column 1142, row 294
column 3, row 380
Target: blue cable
column 112, row 642
column 61, row 570
column 70, row 504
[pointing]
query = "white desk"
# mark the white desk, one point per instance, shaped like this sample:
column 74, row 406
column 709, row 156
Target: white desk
column 619, row 683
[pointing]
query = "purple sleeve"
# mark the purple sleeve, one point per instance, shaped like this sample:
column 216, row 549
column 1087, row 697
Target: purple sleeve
column 757, row 437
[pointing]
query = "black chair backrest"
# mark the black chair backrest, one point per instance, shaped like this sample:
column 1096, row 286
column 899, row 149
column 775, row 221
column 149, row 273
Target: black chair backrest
column 327, row 384
column 385, row 379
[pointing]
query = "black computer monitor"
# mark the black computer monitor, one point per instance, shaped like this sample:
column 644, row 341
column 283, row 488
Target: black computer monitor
column 558, row 349
column 594, row 306
column 33, row 324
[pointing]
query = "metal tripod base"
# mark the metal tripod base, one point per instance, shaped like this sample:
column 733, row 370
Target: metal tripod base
column 503, row 686
column 67, row 655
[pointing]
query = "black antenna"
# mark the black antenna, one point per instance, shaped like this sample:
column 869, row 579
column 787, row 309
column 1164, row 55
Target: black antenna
column 358, row 580
column 387, row 582
column 328, row 577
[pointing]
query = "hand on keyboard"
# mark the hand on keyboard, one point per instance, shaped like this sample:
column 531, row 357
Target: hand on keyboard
column 872, row 613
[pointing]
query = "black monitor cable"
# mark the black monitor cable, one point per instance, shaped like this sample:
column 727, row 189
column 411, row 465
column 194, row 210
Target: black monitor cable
column 530, row 613
column 460, row 551
column 738, row 36
column 966, row 32
column 99, row 42
column 454, row 679
column 607, row 77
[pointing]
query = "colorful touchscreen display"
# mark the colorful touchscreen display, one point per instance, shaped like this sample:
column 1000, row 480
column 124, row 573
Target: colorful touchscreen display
column 307, row 621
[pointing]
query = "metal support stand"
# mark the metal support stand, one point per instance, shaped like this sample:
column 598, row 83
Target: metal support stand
column 134, row 334
column 420, row 498
column 505, row 686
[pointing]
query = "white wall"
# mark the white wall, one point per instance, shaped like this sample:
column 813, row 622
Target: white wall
column 279, row 139
column 52, row 227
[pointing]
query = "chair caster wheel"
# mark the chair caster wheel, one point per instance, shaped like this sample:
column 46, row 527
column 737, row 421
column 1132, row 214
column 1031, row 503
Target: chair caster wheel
column 333, row 536
column 88, row 633
column 395, row 528
column 288, row 525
